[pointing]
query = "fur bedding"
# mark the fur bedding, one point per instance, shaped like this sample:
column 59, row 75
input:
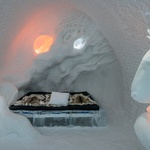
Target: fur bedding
column 40, row 101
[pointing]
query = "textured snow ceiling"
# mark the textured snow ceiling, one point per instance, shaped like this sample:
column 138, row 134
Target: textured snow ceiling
column 122, row 22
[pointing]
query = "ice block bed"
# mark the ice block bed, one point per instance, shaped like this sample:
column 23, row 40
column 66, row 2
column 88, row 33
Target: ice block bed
column 60, row 109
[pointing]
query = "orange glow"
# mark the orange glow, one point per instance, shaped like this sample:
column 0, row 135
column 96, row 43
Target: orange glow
column 42, row 43
column 148, row 113
column 148, row 109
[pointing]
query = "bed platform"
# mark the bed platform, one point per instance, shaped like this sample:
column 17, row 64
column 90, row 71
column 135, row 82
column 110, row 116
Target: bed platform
column 80, row 109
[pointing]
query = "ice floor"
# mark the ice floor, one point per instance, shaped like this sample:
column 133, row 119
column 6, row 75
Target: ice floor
column 106, row 138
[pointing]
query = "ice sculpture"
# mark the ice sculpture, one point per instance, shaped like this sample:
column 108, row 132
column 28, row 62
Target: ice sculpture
column 11, row 123
column 140, row 91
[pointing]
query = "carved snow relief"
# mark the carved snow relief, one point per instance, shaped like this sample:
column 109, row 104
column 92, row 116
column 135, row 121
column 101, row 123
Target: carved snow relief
column 79, row 47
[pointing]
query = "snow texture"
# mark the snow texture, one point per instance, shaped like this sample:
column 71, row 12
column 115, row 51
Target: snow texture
column 11, row 123
column 114, row 138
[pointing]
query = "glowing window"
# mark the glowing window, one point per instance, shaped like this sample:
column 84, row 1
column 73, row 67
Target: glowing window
column 42, row 43
column 79, row 43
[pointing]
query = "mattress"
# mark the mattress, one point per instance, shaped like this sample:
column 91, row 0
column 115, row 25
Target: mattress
column 40, row 101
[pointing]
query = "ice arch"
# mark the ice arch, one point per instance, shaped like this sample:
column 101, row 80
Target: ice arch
column 65, row 67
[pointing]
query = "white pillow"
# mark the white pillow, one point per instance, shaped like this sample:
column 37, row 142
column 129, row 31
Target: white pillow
column 58, row 98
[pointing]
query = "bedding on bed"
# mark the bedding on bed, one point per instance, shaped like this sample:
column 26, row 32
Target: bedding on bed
column 42, row 101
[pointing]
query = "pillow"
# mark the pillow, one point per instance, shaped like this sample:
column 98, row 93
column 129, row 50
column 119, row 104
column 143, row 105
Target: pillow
column 59, row 99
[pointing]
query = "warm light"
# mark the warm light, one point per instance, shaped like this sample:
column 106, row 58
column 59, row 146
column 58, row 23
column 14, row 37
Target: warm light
column 148, row 109
column 43, row 43
column 148, row 113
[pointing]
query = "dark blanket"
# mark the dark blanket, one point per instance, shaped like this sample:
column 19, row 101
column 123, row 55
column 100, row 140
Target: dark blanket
column 40, row 101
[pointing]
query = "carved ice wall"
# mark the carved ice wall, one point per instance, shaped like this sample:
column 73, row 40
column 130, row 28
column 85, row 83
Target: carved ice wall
column 58, row 68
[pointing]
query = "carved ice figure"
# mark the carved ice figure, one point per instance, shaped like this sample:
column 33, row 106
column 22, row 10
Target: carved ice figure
column 14, row 123
column 140, row 91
